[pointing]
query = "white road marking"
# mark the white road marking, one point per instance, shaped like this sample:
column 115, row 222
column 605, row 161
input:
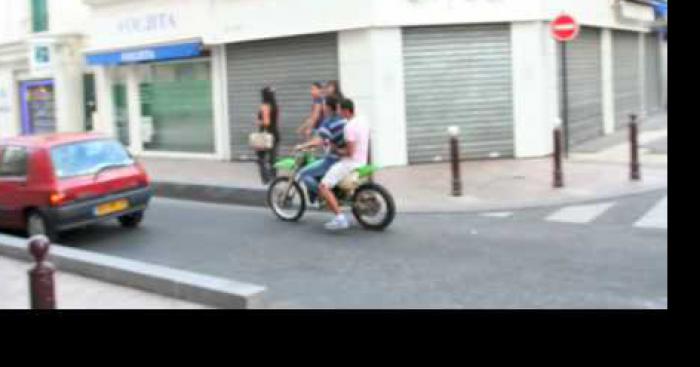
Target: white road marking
column 656, row 217
column 579, row 213
column 498, row 214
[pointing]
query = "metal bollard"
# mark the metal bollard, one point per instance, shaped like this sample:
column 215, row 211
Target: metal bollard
column 453, row 131
column 558, row 171
column 41, row 283
column 634, row 149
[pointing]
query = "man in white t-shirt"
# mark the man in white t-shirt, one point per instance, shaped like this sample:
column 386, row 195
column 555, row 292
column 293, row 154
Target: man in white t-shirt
column 353, row 156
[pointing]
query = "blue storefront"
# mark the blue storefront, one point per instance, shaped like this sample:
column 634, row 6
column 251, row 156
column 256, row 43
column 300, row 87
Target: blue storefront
column 174, row 96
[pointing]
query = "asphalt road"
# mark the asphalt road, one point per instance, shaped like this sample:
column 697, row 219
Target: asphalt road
column 522, row 259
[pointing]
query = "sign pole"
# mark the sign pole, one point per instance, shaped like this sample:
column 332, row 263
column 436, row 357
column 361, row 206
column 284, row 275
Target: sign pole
column 564, row 97
column 565, row 29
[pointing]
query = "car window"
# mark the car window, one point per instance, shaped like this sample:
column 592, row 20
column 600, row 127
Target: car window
column 13, row 162
column 88, row 157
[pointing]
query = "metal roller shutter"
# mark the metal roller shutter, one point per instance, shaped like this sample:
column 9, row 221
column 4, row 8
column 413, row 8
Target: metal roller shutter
column 653, row 75
column 628, row 98
column 584, row 78
column 458, row 75
column 290, row 65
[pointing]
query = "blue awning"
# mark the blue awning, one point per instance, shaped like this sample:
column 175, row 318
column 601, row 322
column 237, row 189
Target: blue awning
column 661, row 8
column 147, row 54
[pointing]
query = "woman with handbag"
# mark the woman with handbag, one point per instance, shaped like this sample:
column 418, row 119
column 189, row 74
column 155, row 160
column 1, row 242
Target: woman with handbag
column 266, row 140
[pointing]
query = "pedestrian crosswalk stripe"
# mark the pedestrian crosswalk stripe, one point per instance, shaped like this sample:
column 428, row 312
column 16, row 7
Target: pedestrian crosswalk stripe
column 579, row 213
column 657, row 217
column 498, row 214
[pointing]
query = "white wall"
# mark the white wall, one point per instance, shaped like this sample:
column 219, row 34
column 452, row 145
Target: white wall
column 68, row 16
column 240, row 20
column 219, row 79
column 9, row 109
column 535, row 92
column 14, row 20
column 596, row 13
column 104, row 117
column 127, row 23
column 371, row 72
column 65, row 16
column 421, row 12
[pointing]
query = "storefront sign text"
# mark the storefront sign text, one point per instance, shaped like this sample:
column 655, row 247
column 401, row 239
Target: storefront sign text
column 148, row 23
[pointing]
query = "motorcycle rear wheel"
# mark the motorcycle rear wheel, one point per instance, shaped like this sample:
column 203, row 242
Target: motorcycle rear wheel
column 373, row 207
column 290, row 208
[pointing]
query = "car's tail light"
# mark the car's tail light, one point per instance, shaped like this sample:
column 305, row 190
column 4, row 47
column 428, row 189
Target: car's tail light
column 58, row 198
column 144, row 180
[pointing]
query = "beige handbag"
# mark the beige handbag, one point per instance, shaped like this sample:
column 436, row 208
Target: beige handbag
column 261, row 141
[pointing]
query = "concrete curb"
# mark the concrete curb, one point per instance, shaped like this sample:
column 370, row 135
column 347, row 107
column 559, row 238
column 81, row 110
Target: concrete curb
column 258, row 198
column 179, row 284
column 247, row 196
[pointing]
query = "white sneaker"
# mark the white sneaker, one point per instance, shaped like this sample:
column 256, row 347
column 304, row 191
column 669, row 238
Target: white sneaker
column 339, row 222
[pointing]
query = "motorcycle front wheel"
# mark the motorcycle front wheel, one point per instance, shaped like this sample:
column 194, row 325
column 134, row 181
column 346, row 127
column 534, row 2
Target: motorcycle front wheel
column 286, row 199
column 373, row 207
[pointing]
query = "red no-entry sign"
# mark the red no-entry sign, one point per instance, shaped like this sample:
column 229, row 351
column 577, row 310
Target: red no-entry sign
column 565, row 28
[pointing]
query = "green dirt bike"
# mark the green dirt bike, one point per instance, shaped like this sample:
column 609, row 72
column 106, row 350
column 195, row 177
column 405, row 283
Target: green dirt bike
column 372, row 205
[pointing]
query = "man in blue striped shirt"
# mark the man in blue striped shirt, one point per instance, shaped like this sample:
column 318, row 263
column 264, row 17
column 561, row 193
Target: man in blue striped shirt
column 330, row 135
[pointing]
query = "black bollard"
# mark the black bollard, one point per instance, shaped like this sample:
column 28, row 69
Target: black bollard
column 635, row 174
column 454, row 158
column 558, row 171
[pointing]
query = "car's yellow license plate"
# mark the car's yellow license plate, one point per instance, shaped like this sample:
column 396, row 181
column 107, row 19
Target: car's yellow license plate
column 113, row 207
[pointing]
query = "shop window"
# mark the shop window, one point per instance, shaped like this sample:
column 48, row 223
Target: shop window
column 40, row 16
column 176, row 108
column 13, row 162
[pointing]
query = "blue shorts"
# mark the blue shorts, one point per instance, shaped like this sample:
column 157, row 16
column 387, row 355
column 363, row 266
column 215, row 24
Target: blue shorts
column 312, row 175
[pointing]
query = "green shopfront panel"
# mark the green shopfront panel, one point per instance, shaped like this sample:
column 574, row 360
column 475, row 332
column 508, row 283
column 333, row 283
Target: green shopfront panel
column 176, row 102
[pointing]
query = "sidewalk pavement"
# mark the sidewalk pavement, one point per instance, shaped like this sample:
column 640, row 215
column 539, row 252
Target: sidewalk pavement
column 600, row 169
column 78, row 292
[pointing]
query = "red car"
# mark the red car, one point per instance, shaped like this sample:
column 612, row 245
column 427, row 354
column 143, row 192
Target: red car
column 52, row 183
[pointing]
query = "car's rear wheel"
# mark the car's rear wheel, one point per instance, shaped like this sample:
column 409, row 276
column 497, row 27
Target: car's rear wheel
column 131, row 220
column 38, row 224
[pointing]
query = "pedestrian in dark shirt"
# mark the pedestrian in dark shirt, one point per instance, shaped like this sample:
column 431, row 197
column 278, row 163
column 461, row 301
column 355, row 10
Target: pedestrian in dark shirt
column 268, row 121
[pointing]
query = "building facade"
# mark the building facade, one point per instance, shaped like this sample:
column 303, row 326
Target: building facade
column 42, row 74
column 182, row 78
